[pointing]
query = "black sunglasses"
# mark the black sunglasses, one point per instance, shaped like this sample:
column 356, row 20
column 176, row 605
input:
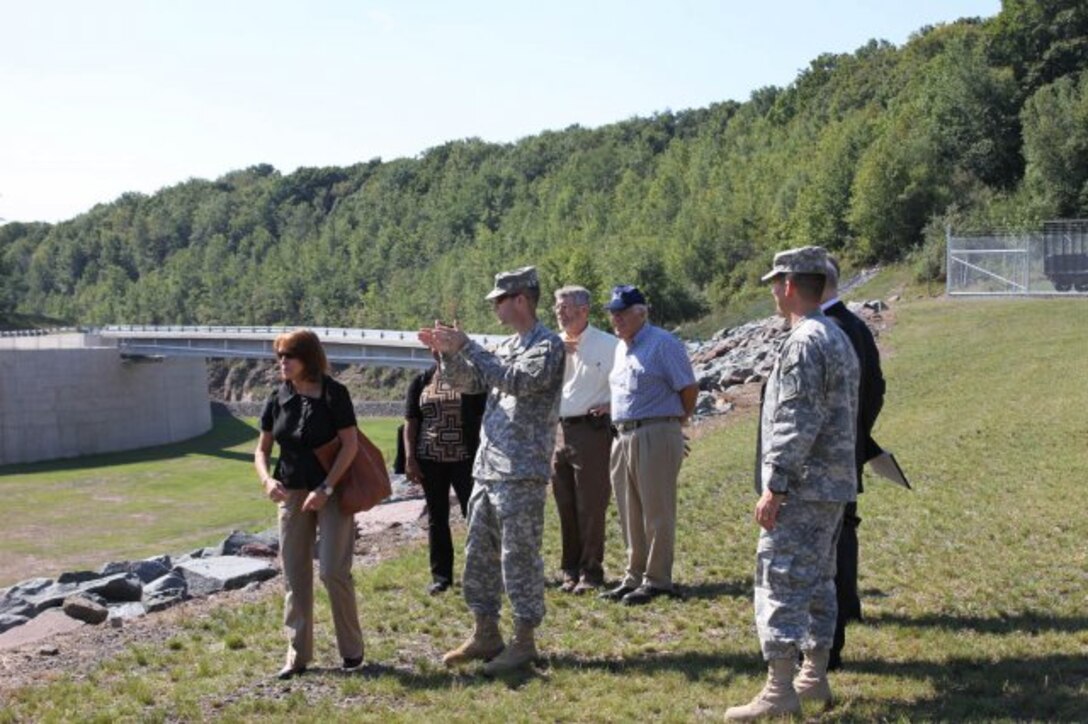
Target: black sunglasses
column 285, row 355
column 503, row 297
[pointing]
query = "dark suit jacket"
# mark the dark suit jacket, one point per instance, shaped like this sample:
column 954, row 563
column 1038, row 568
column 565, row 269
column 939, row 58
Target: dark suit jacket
column 871, row 392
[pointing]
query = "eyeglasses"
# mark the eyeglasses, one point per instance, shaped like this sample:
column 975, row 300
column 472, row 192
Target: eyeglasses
column 286, row 355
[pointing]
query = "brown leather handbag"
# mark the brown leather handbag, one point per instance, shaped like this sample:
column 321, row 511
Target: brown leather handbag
column 366, row 481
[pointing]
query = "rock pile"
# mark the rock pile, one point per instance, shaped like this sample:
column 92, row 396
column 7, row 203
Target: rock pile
column 746, row 354
column 126, row 589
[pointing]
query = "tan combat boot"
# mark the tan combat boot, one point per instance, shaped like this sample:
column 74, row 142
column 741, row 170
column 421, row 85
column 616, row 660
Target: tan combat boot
column 777, row 698
column 811, row 683
column 519, row 654
column 484, row 644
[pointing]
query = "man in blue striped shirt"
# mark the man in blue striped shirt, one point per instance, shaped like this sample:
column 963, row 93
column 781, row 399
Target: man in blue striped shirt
column 653, row 394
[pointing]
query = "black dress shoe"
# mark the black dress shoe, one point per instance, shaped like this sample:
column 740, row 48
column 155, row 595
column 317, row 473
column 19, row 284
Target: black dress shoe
column 644, row 594
column 289, row 672
column 438, row 587
column 616, row 594
column 351, row 664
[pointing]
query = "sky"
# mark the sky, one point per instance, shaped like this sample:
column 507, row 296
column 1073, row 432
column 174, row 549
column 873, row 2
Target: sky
column 102, row 98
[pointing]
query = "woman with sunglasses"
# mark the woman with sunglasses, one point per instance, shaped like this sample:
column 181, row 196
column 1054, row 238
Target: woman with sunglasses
column 308, row 410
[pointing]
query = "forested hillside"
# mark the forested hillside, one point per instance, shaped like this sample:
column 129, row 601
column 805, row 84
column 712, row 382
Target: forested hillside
column 981, row 124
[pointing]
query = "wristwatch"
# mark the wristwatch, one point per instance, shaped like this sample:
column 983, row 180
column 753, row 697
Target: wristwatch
column 327, row 489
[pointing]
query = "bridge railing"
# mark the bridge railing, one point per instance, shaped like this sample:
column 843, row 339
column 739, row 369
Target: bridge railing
column 367, row 347
column 325, row 333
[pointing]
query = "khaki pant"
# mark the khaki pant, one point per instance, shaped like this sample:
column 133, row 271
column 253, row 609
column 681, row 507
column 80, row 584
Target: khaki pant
column 645, row 463
column 298, row 533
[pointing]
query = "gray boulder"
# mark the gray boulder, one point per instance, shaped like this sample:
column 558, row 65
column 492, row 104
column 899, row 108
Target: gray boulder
column 84, row 609
column 51, row 596
column 206, row 576
column 127, row 611
column 78, row 577
column 11, row 620
column 146, row 570
column 14, row 600
column 116, row 588
column 165, row 592
column 239, row 541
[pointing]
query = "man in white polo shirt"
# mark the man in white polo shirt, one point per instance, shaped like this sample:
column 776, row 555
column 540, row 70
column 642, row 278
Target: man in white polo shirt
column 580, row 478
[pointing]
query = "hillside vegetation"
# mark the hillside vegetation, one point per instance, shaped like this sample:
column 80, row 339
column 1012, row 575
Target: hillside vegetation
column 979, row 123
column 973, row 583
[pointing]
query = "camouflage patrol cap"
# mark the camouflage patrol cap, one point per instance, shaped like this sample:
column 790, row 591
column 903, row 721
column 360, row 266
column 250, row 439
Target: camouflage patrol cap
column 512, row 282
column 804, row 260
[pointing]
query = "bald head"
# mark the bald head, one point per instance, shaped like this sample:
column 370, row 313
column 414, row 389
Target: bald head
column 831, row 280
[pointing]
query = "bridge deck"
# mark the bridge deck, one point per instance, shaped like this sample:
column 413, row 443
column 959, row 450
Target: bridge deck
column 345, row 345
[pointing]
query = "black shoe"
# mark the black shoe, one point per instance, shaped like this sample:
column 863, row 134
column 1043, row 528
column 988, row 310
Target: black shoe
column 438, row 587
column 289, row 672
column 351, row 664
column 644, row 594
column 616, row 594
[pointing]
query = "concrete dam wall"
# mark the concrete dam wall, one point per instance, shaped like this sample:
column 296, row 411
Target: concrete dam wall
column 69, row 395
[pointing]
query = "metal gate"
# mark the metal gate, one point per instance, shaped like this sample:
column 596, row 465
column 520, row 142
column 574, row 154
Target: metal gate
column 1054, row 262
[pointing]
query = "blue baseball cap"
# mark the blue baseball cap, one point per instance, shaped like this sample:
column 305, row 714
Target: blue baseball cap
column 624, row 296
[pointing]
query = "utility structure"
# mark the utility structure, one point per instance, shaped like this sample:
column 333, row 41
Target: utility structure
column 1051, row 262
column 1065, row 254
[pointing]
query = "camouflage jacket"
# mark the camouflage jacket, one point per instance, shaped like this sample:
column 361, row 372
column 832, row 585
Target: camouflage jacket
column 809, row 420
column 523, row 379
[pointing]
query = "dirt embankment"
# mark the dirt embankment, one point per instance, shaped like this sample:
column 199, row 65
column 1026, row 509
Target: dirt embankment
column 253, row 380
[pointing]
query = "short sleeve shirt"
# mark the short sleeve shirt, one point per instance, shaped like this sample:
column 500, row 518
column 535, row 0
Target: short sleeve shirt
column 299, row 424
column 648, row 375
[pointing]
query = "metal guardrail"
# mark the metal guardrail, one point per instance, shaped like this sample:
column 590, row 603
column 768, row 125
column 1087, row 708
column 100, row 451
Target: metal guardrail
column 39, row 332
column 368, row 347
column 330, row 334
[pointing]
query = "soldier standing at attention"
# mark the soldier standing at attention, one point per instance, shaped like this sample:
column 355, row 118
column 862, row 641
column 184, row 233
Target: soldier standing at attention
column 523, row 379
column 583, row 442
column 807, row 434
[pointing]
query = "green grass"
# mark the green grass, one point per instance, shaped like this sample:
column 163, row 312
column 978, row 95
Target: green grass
column 80, row 513
column 974, row 584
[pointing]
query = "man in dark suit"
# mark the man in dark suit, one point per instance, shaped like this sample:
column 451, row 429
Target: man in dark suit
column 870, row 401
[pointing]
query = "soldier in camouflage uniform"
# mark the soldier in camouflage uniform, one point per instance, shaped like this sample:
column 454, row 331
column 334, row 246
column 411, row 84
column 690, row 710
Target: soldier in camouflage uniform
column 807, row 434
column 523, row 379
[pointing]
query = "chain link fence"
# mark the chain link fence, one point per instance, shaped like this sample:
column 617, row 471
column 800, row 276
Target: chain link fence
column 1052, row 262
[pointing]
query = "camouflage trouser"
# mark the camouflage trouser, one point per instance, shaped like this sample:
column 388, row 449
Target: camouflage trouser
column 795, row 579
column 505, row 531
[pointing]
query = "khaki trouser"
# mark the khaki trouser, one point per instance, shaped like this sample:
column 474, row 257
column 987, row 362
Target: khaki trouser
column 298, row 532
column 645, row 463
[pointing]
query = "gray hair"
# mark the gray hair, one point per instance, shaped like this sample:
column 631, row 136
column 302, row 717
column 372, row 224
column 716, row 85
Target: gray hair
column 576, row 294
column 643, row 310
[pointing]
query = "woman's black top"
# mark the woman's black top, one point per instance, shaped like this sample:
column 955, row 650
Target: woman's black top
column 299, row 424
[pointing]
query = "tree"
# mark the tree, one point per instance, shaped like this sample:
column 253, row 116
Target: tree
column 1056, row 145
